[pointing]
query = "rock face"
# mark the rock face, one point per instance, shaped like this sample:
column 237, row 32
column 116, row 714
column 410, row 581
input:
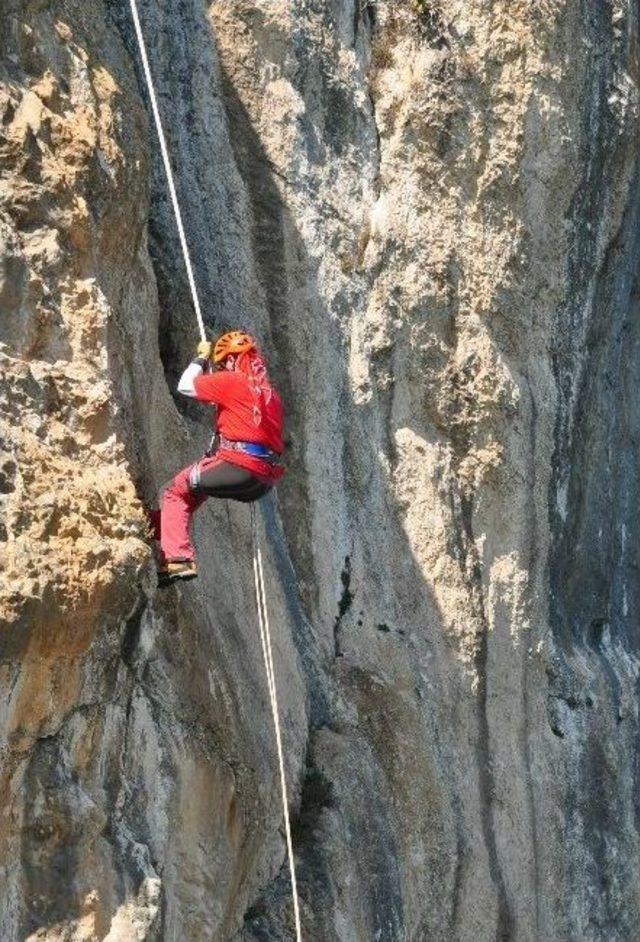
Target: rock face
column 429, row 213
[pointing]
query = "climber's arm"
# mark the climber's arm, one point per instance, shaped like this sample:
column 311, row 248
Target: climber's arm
column 199, row 365
column 186, row 386
column 206, row 387
column 214, row 388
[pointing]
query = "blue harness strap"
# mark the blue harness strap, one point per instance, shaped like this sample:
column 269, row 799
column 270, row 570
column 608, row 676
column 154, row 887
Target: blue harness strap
column 250, row 448
column 261, row 451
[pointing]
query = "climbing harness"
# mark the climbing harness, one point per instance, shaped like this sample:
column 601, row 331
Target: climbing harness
column 263, row 618
column 251, row 448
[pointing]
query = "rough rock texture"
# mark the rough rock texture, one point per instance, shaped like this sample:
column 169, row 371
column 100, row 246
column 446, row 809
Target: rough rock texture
column 429, row 213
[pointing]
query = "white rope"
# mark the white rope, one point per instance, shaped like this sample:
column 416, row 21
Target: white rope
column 167, row 166
column 267, row 653
column 263, row 619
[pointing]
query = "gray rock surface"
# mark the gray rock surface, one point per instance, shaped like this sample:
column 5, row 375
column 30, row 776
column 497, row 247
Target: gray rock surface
column 428, row 213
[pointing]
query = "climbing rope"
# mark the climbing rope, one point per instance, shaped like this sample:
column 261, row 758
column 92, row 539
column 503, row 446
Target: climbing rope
column 263, row 618
column 267, row 653
column 167, row 166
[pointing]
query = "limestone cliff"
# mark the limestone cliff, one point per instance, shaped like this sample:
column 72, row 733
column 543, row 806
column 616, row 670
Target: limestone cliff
column 429, row 213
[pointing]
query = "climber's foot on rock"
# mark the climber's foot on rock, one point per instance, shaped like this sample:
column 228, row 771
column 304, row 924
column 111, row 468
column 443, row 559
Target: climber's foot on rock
column 177, row 570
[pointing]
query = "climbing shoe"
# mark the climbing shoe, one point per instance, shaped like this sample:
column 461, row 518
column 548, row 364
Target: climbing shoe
column 177, row 570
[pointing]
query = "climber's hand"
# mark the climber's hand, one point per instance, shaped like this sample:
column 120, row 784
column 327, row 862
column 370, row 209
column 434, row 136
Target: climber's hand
column 205, row 350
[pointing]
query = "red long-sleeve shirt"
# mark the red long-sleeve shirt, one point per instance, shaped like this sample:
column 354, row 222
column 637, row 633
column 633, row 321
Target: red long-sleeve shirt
column 244, row 415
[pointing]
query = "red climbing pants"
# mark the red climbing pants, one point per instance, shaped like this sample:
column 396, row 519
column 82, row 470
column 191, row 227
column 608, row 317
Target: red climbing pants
column 178, row 504
column 210, row 477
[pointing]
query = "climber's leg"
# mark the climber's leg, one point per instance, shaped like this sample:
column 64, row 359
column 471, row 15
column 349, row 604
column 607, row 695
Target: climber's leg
column 177, row 507
column 210, row 477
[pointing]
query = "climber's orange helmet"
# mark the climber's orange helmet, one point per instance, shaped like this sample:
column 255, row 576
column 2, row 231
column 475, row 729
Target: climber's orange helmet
column 235, row 341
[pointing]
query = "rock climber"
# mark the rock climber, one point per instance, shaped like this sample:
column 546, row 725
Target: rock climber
column 243, row 462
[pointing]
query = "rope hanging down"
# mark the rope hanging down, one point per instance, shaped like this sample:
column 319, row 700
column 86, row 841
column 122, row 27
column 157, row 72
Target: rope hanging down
column 267, row 653
column 263, row 619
